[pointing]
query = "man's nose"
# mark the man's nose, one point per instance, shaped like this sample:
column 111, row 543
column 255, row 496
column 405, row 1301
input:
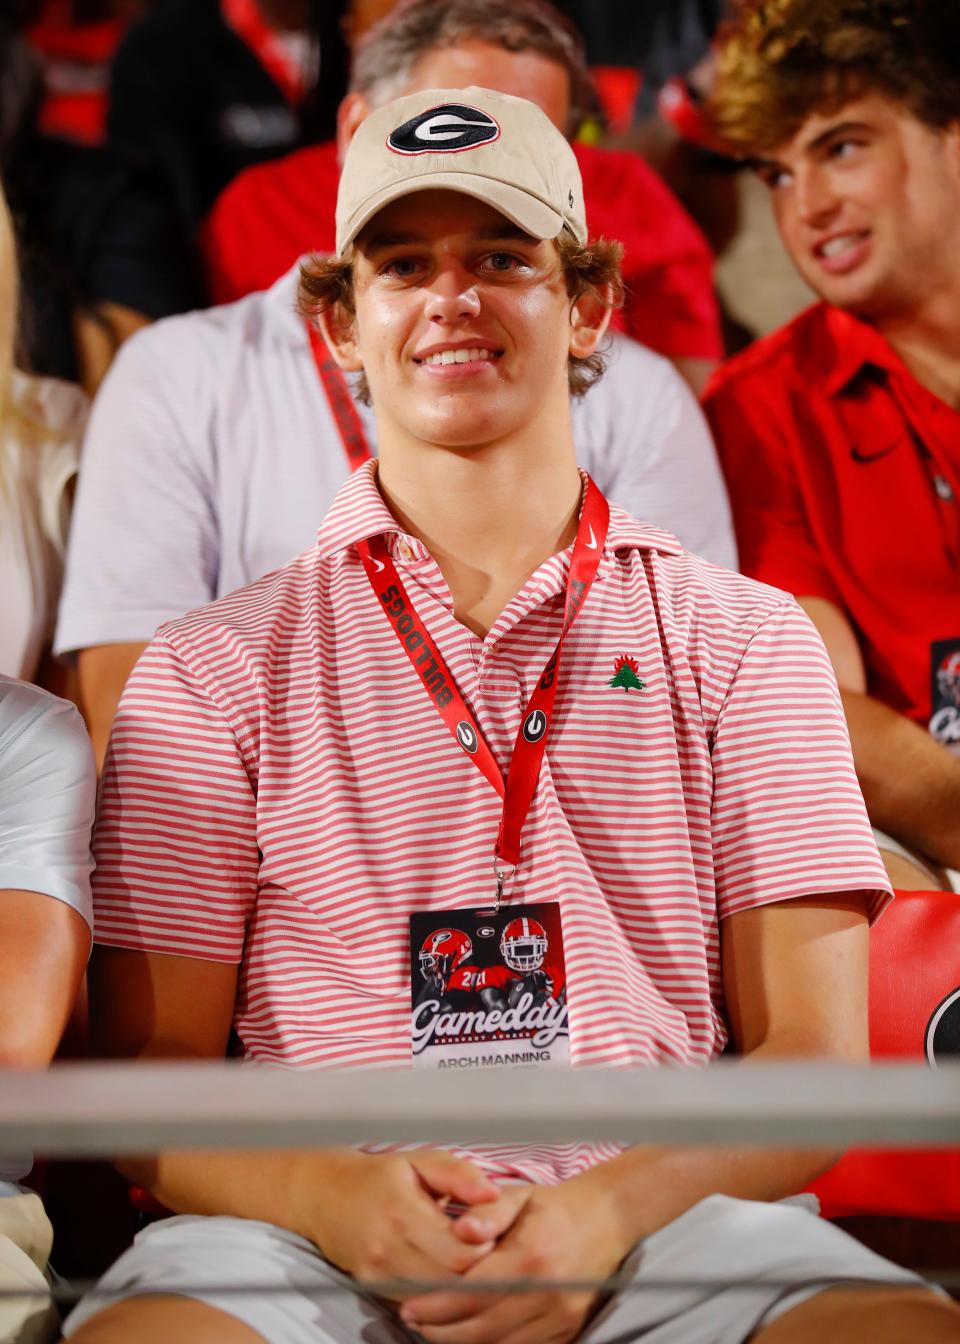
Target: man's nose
column 814, row 197
column 453, row 296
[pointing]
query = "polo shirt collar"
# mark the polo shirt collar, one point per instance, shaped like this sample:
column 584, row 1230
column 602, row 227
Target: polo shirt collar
column 359, row 512
column 850, row 345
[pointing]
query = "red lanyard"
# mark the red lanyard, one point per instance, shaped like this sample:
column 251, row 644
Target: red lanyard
column 341, row 402
column 521, row 782
column 251, row 28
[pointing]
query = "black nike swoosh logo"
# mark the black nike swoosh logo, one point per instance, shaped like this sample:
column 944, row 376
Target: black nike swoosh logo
column 859, row 455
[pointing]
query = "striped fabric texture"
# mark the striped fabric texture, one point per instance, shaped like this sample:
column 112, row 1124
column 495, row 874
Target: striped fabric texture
column 280, row 793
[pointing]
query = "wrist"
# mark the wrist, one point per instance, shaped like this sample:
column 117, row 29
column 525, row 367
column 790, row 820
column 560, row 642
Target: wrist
column 314, row 1181
column 612, row 1195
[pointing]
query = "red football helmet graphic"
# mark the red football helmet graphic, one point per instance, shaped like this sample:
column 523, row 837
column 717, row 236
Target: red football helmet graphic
column 442, row 952
column 523, row 944
column 948, row 678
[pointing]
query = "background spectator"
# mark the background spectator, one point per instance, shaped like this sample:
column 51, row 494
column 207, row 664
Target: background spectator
column 40, row 426
column 273, row 214
column 203, row 88
column 213, row 450
column 47, row 786
column 840, row 433
column 101, row 253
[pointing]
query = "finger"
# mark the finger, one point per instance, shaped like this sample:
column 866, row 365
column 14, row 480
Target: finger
column 444, row 1174
column 541, row 1330
column 445, row 1306
column 490, row 1221
column 431, row 1234
column 492, row 1325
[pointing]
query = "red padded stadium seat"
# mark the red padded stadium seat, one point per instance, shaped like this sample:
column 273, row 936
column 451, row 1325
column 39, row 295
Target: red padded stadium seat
column 914, row 1012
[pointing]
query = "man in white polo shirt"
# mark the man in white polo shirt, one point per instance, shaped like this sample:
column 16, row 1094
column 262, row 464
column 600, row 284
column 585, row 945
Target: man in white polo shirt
column 213, row 447
column 493, row 774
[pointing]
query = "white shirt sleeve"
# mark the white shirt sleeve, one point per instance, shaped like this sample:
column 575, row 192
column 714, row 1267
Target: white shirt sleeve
column 643, row 438
column 47, row 793
column 144, row 540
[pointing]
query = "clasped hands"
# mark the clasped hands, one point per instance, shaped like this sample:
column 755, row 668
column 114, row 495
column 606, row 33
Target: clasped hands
column 385, row 1219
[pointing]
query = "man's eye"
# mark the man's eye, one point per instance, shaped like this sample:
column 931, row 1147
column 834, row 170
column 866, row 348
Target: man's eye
column 503, row 262
column 773, row 177
column 842, row 149
column 402, row 268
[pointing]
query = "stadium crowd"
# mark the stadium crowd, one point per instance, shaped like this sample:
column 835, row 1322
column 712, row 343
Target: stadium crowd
column 454, row 452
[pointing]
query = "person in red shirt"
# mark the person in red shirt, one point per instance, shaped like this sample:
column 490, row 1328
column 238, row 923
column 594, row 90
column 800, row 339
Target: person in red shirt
column 273, row 213
column 840, row 433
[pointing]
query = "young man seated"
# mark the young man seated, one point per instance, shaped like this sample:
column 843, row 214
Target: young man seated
column 47, row 787
column 840, row 434
column 491, row 774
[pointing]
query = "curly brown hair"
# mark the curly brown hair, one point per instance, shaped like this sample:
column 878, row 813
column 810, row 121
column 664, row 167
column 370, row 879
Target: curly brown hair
column 780, row 60
column 592, row 268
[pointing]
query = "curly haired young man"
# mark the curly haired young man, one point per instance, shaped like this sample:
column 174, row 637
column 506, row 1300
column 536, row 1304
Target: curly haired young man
column 840, row 433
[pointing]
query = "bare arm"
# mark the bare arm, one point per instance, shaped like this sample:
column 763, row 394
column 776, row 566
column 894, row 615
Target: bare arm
column 99, row 331
column 43, row 950
column 795, row 980
column 102, row 673
column 151, row 1005
column 910, row 783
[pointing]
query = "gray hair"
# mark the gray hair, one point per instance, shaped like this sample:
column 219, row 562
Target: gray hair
column 384, row 58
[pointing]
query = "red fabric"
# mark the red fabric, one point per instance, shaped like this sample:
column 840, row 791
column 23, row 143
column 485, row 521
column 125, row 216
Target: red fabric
column 617, row 88
column 823, row 435
column 274, row 212
column 76, row 58
column 248, row 23
column 914, row 965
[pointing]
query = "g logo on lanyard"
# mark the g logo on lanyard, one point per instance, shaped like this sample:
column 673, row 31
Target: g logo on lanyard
column 534, row 725
column 467, row 737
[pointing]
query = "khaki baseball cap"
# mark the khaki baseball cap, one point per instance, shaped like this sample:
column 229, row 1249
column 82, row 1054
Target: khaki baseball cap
column 502, row 150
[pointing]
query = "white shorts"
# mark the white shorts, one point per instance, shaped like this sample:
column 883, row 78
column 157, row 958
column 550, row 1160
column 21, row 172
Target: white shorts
column 787, row 1252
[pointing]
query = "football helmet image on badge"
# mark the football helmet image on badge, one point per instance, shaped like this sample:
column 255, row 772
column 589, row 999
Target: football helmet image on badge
column 523, row 944
column 442, row 952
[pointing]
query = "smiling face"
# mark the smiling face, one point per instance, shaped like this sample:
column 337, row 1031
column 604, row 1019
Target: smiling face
column 867, row 200
column 463, row 323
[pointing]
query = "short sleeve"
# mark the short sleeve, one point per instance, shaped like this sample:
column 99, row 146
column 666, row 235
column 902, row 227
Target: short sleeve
column 175, row 839
column 144, row 541
column 774, row 539
column 788, row 815
column 47, row 793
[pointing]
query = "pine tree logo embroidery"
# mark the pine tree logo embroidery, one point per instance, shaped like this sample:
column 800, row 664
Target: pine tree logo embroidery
column 626, row 674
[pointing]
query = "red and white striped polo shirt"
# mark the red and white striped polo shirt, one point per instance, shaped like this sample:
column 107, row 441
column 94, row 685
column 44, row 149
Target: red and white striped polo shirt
column 281, row 793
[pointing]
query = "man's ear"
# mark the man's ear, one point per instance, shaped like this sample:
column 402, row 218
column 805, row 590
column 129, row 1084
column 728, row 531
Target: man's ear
column 353, row 109
column 589, row 319
column 338, row 329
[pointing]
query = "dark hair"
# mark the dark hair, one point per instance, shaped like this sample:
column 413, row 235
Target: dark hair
column 780, row 60
column 386, row 54
column 327, row 282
